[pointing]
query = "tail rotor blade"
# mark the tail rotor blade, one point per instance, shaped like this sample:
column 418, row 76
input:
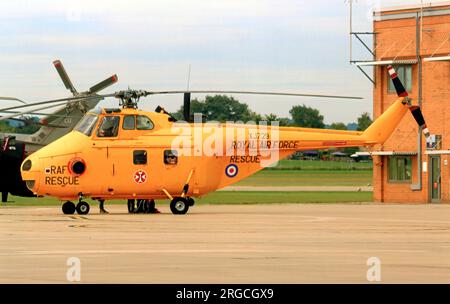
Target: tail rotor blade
column 65, row 78
column 103, row 84
column 401, row 92
column 418, row 116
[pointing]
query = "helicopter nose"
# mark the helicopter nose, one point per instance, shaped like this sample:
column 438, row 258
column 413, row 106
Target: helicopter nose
column 30, row 171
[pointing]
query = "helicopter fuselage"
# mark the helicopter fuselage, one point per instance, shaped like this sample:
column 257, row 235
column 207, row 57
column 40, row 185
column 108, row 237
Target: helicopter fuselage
column 147, row 155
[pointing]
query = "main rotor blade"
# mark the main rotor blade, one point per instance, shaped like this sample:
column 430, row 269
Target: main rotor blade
column 29, row 111
column 65, row 78
column 12, row 98
column 103, row 84
column 253, row 93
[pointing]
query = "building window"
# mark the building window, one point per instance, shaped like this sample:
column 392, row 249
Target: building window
column 399, row 169
column 140, row 157
column 404, row 73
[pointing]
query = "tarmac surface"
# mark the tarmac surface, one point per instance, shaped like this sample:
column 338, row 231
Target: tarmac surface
column 277, row 243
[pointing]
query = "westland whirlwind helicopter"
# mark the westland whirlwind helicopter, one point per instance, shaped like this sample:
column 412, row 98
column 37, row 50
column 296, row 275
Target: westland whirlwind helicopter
column 15, row 147
column 126, row 153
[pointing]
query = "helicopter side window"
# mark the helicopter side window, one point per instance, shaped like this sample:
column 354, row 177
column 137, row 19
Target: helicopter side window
column 87, row 124
column 170, row 157
column 139, row 157
column 144, row 123
column 128, row 123
column 109, row 127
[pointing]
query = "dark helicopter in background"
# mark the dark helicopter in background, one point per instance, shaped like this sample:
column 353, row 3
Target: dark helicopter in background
column 15, row 147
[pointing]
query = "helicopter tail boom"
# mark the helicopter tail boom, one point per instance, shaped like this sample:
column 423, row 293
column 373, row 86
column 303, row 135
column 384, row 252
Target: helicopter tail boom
column 380, row 130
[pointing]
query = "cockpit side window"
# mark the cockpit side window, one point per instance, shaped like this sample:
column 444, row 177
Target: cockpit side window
column 87, row 124
column 144, row 123
column 109, row 126
column 128, row 122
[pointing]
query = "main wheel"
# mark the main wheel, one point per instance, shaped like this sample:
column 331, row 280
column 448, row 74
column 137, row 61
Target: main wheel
column 83, row 208
column 150, row 206
column 131, row 206
column 4, row 196
column 179, row 205
column 140, row 206
column 68, row 208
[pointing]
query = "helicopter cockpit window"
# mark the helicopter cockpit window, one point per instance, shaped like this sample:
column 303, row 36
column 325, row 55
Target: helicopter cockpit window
column 109, row 127
column 87, row 124
column 128, row 123
column 144, row 123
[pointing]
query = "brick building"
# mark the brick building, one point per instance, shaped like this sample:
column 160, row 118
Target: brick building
column 416, row 40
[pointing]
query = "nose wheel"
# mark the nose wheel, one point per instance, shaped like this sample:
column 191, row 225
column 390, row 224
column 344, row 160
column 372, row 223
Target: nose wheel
column 180, row 205
column 81, row 208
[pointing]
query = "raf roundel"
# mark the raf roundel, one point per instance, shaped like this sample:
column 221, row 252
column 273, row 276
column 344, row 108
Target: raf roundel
column 231, row 170
column 140, row 176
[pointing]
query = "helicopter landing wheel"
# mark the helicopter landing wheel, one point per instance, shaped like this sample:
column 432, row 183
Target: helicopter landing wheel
column 131, row 205
column 191, row 201
column 68, row 208
column 82, row 208
column 179, row 205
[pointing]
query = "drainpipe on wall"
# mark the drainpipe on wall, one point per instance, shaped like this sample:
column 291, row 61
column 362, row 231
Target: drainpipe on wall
column 418, row 186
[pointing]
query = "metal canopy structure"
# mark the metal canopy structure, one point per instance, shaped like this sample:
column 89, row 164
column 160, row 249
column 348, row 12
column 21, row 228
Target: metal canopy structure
column 386, row 62
column 442, row 58
column 387, row 153
column 437, row 152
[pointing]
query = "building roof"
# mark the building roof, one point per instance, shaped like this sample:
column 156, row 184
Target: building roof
column 411, row 11
column 415, row 6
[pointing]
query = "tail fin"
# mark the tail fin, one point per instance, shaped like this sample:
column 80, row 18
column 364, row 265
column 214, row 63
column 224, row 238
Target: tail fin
column 383, row 127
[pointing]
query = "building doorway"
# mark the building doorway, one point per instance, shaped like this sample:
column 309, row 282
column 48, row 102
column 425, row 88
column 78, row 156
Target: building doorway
column 435, row 179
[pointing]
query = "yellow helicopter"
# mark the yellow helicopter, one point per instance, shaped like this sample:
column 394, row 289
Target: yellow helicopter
column 126, row 153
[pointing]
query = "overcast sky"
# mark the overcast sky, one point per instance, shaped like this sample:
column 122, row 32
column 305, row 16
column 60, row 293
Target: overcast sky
column 279, row 45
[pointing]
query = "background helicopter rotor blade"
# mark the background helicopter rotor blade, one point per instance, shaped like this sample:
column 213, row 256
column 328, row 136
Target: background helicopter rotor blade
column 75, row 98
column 38, row 113
column 103, row 84
column 12, row 98
column 65, row 78
column 30, row 111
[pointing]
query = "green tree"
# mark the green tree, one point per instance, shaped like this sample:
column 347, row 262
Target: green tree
column 304, row 116
column 282, row 121
column 364, row 121
column 338, row 126
column 221, row 108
